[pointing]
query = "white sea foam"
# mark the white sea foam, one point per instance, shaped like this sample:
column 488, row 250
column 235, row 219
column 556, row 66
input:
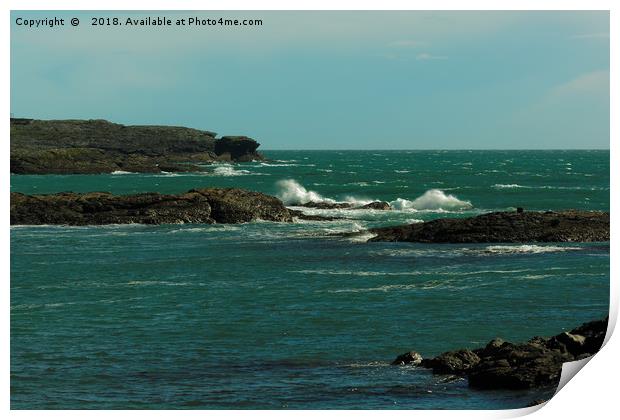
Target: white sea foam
column 357, row 201
column 548, row 187
column 537, row 276
column 492, row 250
column 277, row 164
column 292, row 192
column 285, row 164
column 121, row 173
column 412, row 221
column 202, row 229
column 229, row 170
column 390, row 288
column 526, row 249
column 432, row 200
column 357, row 273
column 361, row 238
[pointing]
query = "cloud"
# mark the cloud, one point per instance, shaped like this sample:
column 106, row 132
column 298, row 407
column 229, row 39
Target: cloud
column 427, row 56
column 590, row 36
column 592, row 83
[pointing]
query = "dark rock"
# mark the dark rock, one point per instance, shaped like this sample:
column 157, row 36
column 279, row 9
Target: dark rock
column 210, row 205
column 235, row 205
column 314, row 217
column 571, row 343
column 534, row 364
column 99, row 146
column 507, row 227
column 536, row 402
column 376, row 205
column 494, row 344
column 409, row 358
column 240, row 148
column 454, row 362
column 326, row 205
column 594, row 333
column 518, row 366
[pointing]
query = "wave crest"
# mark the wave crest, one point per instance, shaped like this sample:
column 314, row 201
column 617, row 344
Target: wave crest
column 432, row 200
column 293, row 193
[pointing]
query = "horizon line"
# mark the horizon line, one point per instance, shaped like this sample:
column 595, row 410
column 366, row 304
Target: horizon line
column 435, row 150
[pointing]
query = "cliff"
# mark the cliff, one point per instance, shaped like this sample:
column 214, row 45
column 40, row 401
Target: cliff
column 99, row 146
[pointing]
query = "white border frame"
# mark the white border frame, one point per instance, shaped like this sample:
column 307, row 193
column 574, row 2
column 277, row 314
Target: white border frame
column 592, row 394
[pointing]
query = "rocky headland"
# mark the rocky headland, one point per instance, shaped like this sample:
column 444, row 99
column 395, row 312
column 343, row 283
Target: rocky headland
column 504, row 365
column 99, row 146
column 507, row 227
column 207, row 205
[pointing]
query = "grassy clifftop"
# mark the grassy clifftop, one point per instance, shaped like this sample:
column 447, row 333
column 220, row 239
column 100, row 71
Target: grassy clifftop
column 98, row 146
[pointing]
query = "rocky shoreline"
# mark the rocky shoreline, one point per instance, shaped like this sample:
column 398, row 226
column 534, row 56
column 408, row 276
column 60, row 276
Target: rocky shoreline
column 506, row 227
column 503, row 365
column 99, row 146
column 207, row 205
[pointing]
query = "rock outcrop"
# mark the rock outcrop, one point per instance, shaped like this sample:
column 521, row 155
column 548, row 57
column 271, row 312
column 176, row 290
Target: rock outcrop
column 328, row 205
column 207, row 205
column 520, row 227
column 239, row 148
column 99, row 146
column 504, row 365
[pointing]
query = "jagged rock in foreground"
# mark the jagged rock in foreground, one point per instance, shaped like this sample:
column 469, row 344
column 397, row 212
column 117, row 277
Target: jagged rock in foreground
column 208, row 205
column 504, row 365
column 550, row 226
column 99, row 146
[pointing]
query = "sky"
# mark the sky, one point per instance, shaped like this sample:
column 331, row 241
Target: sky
column 330, row 80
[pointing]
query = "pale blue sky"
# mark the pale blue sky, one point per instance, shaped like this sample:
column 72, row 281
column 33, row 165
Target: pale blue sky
column 331, row 80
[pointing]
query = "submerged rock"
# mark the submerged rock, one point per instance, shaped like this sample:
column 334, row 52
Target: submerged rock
column 377, row 205
column 536, row 363
column 328, row 205
column 99, row 146
column 507, row 227
column 312, row 217
column 208, row 205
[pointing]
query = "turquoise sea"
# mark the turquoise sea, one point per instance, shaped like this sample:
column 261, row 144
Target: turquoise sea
column 269, row 316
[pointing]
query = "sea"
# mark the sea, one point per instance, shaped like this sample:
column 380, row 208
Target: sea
column 270, row 315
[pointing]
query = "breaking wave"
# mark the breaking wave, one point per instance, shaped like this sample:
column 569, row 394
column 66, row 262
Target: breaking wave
column 432, row 200
column 293, row 193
